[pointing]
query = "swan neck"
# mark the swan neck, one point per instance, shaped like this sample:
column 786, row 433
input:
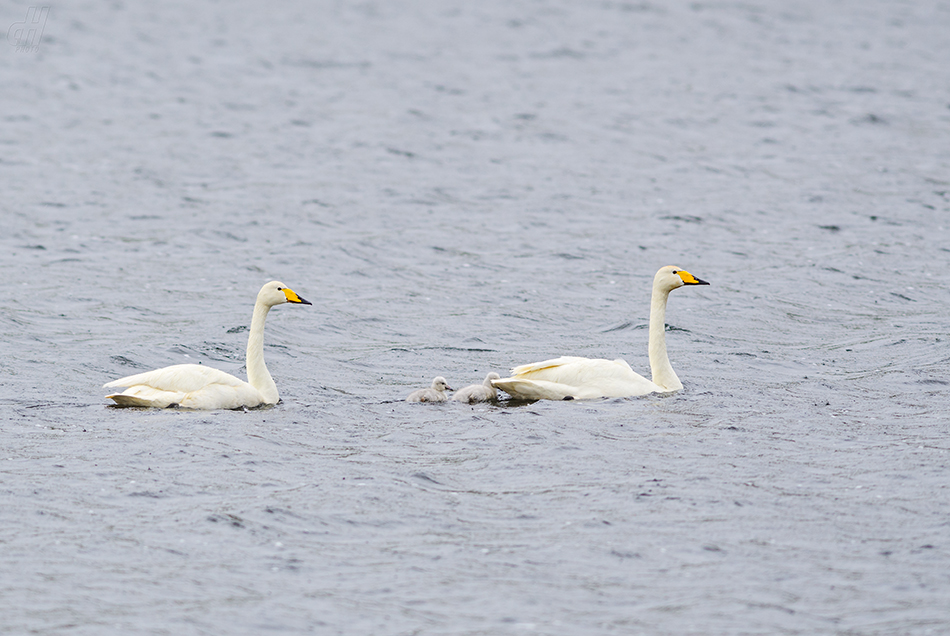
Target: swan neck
column 257, row 374
column 663, row 374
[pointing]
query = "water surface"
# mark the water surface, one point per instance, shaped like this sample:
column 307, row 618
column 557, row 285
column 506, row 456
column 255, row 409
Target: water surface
column 461, row 188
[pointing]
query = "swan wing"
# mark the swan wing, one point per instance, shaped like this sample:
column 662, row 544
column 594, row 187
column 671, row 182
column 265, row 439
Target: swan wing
column 183, row 378
column 533, row 367
column 191, row 386
column 213, row 396
column 578, row 378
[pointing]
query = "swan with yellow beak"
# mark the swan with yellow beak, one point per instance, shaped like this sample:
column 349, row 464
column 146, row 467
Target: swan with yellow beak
column 196, row 386
column 571, row 378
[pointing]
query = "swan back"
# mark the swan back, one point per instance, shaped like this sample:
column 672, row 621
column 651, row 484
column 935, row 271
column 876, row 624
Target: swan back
column 192, row 386
column 185, row 378
column 577, row 378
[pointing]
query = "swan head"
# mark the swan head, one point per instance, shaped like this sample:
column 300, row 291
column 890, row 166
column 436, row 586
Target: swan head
column 439, row 384
column 276, row 293
column 491, row 376
column 670, row 277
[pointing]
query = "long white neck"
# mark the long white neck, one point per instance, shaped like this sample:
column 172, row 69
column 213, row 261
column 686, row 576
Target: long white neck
column 257, row 374
column 663, row 374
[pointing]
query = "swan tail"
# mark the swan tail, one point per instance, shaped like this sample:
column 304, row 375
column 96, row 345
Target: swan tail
column 147, row 396
column 121, row 399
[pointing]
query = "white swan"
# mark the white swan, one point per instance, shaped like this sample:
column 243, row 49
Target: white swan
column 570, row 378
column 484, row 392
column 435, row 393
column 195, row 386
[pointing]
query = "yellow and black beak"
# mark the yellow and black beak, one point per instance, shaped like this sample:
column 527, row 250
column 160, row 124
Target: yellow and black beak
column 292, row 297
column 689, row 279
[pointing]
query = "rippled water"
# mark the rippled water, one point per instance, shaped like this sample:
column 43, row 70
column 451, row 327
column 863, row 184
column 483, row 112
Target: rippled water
column 459, row 188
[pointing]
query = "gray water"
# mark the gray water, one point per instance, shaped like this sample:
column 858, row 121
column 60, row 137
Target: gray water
column 461, row 187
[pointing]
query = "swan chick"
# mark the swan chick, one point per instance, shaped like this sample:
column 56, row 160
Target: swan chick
column 196, row 386
column 572, row 378
column 484, row 392
column 435, row 393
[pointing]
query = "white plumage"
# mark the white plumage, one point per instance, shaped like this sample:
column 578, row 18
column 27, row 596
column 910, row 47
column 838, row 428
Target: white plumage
column 196, row 386
column 568, row 378
column 435, row 393
column 484, row 392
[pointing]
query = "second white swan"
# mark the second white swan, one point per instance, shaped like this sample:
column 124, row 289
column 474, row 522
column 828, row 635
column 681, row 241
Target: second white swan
column 196, row 386
column 570, row 378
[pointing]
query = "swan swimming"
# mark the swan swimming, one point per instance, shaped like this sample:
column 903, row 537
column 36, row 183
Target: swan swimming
column 484, row 392
column 570, row 378
column 435, row 393
column 196, row 386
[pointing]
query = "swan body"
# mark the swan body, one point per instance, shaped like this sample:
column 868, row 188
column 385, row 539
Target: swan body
column 435, row 393
column 484, row 392
column 571, row 378
column 196, row 386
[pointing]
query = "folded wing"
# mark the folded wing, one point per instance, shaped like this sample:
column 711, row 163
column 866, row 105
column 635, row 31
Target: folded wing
column 187, row 385
column 578, row 378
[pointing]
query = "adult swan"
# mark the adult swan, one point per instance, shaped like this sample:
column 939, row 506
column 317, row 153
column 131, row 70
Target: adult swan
column 195, row 386
column 569, row 378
